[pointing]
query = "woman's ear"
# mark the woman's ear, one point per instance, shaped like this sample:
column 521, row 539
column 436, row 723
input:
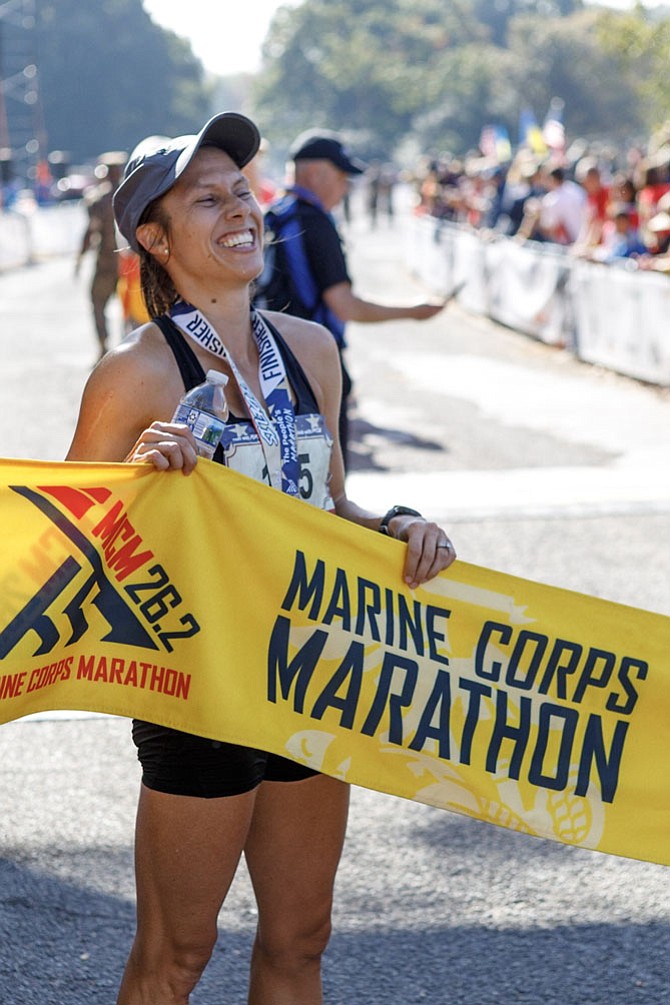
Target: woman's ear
column 152, row 238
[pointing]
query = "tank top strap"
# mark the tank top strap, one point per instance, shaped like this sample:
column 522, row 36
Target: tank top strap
column 193, row 374
column 241, row 451
column 190, row 369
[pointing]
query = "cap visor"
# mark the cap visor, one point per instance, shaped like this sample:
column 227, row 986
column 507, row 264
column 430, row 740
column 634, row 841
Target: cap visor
column 231, row 132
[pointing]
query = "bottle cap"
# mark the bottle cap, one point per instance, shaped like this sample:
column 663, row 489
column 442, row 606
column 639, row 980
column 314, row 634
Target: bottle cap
column 216, row 377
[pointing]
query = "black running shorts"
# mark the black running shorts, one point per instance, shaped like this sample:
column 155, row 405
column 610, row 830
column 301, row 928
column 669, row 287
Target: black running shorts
column 186, row 765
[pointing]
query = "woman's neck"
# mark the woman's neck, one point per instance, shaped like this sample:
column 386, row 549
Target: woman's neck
column 229, row 315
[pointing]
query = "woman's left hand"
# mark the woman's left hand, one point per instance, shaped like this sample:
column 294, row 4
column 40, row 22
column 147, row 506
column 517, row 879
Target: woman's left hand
column 429, row 550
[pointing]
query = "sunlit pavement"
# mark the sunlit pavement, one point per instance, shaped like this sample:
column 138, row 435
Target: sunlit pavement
column 414, row 383
column 626, row 422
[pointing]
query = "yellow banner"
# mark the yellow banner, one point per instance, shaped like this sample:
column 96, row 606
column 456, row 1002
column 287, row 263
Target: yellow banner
column 219, row 606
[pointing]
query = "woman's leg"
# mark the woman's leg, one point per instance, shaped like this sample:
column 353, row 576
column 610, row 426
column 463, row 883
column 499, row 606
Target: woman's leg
column 292, row 851
column 186, row 853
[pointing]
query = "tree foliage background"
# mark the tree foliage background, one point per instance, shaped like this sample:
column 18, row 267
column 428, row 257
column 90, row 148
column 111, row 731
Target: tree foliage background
column 109, row 76
column 435, row 71
column 393, row 74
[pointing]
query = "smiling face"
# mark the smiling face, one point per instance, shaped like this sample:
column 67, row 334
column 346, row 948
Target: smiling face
column 214, row 226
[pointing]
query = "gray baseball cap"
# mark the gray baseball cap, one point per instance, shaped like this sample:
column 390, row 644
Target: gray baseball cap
column 156, row 164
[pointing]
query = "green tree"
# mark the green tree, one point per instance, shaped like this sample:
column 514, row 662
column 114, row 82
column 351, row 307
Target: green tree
column 109, row 76
column 638, row 45
column 356, row 66
column 562, row 57
column 437, row 71
column 497, row 15
column 468, row 88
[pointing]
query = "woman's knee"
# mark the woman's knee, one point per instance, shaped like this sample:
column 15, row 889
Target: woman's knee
column 190, row 959
column 175, row 965
column 296, row 945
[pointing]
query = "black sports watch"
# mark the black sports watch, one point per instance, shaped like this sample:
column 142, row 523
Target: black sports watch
column 396, row 511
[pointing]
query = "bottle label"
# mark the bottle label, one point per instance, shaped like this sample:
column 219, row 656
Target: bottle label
column 206, row 428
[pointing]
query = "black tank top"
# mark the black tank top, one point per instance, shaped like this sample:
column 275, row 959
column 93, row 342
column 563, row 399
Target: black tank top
column 241, row 449
column 193, row 374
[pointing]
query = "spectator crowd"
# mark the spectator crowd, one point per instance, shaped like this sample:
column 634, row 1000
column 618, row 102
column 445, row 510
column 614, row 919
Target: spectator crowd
column 589, row 199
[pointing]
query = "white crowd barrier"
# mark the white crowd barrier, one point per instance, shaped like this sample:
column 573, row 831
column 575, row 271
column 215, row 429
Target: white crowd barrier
column 621, row 320
column 605, row 314
column 37, row 233
column 526, row 290
column 14, row 240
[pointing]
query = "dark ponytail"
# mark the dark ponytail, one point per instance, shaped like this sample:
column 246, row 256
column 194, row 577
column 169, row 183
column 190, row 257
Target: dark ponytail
column 157, row 288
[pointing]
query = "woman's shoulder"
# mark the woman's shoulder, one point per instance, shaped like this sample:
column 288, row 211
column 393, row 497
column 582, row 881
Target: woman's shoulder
column 304, row 338
column 142, row 364
column 133, row 385
column 144, row 347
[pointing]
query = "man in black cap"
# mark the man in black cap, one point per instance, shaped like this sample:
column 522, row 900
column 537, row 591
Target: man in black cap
column 307, row 273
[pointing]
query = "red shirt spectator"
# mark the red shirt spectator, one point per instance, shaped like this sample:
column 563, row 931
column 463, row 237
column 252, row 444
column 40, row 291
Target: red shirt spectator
column 597, row 202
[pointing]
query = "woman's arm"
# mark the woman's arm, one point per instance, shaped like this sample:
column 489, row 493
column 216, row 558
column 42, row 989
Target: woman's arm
column 316, row 349
column 125, row 410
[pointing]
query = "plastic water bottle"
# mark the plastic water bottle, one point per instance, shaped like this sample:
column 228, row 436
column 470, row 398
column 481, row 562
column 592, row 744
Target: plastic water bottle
column 204, row 410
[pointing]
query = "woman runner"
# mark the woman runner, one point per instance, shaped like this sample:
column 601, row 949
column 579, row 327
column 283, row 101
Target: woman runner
column 187, row 209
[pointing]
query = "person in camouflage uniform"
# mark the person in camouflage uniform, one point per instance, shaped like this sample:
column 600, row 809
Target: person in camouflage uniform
column 100, row 234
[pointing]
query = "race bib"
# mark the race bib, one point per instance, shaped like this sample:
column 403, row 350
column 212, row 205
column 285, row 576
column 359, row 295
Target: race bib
column 242, row 453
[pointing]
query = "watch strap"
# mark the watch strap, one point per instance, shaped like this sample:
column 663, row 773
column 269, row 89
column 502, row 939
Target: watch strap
column 393, row 512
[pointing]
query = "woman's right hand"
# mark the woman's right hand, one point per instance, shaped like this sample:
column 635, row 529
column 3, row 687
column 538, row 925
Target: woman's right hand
column 166, row 445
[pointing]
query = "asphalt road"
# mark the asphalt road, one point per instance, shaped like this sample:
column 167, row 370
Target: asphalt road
column 540, row 467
